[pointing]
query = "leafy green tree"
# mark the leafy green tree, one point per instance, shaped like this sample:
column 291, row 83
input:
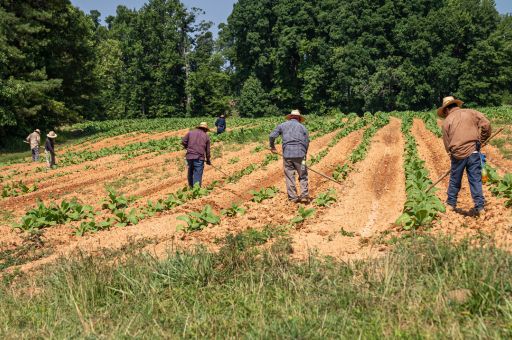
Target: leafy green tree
column 254, row 101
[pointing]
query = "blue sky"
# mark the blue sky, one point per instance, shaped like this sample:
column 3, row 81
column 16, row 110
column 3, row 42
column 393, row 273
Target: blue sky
column 217, row 11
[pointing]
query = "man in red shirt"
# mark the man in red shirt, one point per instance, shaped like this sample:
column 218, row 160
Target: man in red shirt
column 197, row 143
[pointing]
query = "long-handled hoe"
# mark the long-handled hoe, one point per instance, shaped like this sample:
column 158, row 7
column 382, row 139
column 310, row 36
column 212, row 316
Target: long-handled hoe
column 448, row 172
column 313, row 170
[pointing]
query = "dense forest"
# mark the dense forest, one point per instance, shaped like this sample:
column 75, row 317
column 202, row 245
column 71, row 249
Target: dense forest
column 60, row 65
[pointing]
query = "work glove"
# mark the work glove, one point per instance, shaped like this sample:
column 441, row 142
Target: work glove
column 208, row 162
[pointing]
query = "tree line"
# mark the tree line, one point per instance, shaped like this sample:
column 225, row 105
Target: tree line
column 59, row 64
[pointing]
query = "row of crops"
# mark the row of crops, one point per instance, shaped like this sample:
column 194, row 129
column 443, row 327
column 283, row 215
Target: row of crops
column 116, row 211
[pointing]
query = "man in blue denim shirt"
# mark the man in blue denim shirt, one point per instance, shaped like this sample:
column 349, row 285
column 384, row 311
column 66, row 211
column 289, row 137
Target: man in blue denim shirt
column 295, row 148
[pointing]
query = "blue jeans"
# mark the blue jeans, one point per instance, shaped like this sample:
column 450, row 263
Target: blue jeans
column 195, row 171
column 473, row 169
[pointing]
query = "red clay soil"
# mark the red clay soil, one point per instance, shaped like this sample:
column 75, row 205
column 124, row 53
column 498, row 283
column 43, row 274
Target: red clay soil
column 275, row 211
column 163, row 227
column 372, row 199
column 497, row 219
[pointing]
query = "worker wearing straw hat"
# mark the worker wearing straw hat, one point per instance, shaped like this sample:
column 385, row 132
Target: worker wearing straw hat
column 464, row 131
column 295, row 148
column 34, row 139
column 197, row 144
column 49, row 149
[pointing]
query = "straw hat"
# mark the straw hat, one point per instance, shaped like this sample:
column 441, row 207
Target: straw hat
column 51, row 135
column 295, row 114
column 38, row 131
column 447, row 101
column 204, row 126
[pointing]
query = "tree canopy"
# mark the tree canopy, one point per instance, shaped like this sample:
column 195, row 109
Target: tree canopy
column 60, row 65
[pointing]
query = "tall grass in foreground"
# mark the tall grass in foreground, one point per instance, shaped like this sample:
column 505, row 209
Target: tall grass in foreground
column 425, row 288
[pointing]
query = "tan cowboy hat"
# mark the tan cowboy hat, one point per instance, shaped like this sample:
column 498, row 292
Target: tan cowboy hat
column 295, row 114
column 203, row 125
column 38, row 131
column 447, row 101
column 51, row 135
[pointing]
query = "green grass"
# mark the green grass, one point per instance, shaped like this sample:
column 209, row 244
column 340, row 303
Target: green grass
column 242, row 292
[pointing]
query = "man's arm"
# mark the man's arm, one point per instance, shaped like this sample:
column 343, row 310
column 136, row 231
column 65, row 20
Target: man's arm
column 184, row 140
column 446, row 138
column 208, row 157
column 484, row 125
column 276, row 133
column 306, row 136
column 49, row 146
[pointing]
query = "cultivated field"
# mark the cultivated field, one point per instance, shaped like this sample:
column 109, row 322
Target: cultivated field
column 111, row 243
column 125, row 182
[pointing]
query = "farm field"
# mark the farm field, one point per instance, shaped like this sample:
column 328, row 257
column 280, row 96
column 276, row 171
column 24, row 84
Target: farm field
column 120, row 190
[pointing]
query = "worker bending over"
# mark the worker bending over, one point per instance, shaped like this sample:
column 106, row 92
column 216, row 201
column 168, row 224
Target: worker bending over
column 464, row 131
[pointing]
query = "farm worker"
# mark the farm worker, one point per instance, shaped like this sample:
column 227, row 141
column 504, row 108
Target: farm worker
column 220, row 123
column 295, row 148
column 197, row 143
column 34, row 139
column 49, row 149
column 464, row 131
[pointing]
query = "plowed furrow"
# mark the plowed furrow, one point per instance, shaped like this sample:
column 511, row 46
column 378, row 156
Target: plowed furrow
column 370, row 203
column 163, row 227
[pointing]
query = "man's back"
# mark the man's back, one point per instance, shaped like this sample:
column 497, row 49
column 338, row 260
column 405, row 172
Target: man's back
column 462, row 129
column 34, row 139
column 295, row 138
column 197, row 143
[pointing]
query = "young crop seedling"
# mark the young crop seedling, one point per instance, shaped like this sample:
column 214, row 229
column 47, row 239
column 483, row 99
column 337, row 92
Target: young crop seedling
column 302, row 215
column 263, row 194
column 233, row 211
column 116, row 201
column 421, row 207
column 17, row 189
column 325, row 199
column 343, row 232
column 197, row 221
column 234, row 160
column 42, row 216
column 91, row 227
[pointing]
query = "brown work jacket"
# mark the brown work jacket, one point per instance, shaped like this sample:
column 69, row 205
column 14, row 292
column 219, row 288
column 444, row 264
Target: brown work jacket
column 462, row 129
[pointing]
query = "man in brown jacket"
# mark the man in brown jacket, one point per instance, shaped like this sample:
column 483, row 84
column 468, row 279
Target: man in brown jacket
column 464, row 131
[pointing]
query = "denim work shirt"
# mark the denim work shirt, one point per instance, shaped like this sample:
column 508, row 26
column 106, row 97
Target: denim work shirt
column 295, row 139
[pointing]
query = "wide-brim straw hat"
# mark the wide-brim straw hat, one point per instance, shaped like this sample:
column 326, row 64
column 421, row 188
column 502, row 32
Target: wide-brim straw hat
column 447, row 101
column 204, row 126
column 51, row 135
column 38, row 131
column 296, row 114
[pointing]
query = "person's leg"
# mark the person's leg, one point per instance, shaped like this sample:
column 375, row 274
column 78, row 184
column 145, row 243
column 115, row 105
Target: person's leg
column 53, row 159
column 36, row 151
column 302, row 170
column 33, row 154
column 289, row 175
column 48, row 159
column 474, row 171
column 457, row 170
column 198, row 172
column 190, row 172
